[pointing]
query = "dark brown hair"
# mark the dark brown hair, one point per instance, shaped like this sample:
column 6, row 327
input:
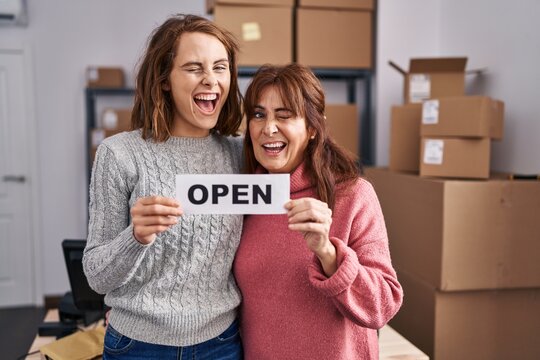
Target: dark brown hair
column 153, row 110
column 301, row 92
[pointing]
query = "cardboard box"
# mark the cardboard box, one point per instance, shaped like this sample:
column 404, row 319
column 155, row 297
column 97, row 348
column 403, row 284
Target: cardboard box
column 462, row 234
column 405, row 137
column 433, row 78
column 339, row 4
column 334, row 38
column 265, row 35
column 471, row 324
column 464, row 116
column 211, row 4
column 116, row 119
column 343, row 124
column 455, row 157
column 104, row 77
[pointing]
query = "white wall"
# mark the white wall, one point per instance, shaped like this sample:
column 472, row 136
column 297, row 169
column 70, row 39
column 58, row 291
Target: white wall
column 501, row 35
column 405, row 29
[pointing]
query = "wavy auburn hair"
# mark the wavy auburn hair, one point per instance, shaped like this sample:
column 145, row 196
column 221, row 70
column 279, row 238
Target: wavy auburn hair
column 327, row 163
column 153, row 110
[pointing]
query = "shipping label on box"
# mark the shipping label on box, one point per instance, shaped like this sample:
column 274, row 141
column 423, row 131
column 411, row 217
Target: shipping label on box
column 433, row 151
column 430, row 112
column 419, row 87
column 251, row 31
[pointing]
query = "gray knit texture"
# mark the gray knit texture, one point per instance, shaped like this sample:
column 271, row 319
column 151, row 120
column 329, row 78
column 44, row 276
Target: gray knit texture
column 179, row 290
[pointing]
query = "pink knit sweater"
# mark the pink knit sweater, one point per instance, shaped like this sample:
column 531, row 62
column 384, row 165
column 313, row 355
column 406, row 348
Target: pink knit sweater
column 290, row 309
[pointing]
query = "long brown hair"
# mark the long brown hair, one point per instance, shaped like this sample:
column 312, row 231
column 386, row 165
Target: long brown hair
column 326, row 162
column 153, row 110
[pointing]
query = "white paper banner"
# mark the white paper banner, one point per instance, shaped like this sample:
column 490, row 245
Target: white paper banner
column 233, row 194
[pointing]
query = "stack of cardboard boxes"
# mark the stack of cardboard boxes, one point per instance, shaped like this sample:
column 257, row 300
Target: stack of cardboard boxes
column 317, row 33
column 440, row 131
column 112, row 121
column 278, row 32
column 466, row 250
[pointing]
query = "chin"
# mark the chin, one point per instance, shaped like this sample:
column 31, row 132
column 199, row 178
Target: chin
column 207, row 124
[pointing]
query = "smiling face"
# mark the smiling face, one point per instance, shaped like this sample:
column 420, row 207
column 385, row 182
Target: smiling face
column 199, row 82
column 279, row 136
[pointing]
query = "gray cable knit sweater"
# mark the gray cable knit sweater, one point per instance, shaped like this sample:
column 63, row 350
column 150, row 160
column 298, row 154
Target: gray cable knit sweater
column 179, row 290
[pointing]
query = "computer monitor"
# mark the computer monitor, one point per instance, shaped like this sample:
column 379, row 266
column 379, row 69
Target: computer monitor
column 84, row 298
column 81, row 303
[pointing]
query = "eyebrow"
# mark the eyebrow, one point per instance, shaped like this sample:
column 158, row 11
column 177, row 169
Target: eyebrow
column 197, row 63
column 260, row 107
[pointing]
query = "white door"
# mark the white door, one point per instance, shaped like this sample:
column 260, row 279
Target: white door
column 16, row 245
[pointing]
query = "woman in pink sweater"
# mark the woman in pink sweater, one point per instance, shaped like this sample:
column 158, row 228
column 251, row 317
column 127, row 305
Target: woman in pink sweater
column 317, row 282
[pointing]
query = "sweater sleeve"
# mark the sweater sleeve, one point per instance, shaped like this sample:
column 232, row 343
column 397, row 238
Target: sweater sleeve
column 364, row 288
column 112, row 254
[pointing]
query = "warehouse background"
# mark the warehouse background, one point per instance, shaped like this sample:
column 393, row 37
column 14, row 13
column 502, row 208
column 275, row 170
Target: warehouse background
column 64, row 37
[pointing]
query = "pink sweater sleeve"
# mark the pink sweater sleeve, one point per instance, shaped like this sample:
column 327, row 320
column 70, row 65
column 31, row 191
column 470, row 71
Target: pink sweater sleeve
column 364, row 288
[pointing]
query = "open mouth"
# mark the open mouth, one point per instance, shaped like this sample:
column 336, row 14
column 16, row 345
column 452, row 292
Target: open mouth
column 274, row 147
column 206, row 102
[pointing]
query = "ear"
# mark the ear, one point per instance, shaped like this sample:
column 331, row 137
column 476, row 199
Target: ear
column 312, row 133
column 166, row 86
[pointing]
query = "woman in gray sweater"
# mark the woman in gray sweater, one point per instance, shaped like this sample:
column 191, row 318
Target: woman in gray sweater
column 167, row 276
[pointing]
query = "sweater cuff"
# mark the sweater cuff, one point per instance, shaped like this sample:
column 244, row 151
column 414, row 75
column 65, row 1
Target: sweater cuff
column 342, row 279
column 129, row 243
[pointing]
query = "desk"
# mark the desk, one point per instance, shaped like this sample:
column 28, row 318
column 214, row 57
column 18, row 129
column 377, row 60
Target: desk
column 39, row 341
column 392, row 346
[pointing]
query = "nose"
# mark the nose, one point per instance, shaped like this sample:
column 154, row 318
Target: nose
column 270, row 128
column 209, row 80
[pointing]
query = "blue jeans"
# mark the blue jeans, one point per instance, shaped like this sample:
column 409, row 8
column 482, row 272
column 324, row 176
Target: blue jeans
column 226, row 346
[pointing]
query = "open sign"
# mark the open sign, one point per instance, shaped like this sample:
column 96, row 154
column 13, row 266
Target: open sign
column 233, row 194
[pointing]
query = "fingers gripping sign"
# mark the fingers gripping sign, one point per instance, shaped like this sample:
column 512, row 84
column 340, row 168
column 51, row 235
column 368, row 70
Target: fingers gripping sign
column 313, row 219
column 152, row 215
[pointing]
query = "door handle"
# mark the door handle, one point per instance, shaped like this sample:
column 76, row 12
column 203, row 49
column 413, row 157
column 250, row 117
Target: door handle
column 14, row 178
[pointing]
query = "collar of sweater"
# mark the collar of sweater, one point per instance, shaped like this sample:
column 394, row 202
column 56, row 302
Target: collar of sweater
column 299, row 177
column 192, row 144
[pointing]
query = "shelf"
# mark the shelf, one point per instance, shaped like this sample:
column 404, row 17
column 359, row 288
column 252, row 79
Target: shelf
column 321, row 73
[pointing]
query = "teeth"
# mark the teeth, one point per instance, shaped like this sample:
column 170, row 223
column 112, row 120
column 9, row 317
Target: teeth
column 274, row 145
column 206, row 96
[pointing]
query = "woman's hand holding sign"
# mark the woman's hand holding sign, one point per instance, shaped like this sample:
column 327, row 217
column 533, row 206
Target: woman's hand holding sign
column 313, row 219
column 153, row 215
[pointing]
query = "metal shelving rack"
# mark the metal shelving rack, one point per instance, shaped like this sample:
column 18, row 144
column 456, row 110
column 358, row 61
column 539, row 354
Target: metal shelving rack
column 91, row 95
column 350, row 76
